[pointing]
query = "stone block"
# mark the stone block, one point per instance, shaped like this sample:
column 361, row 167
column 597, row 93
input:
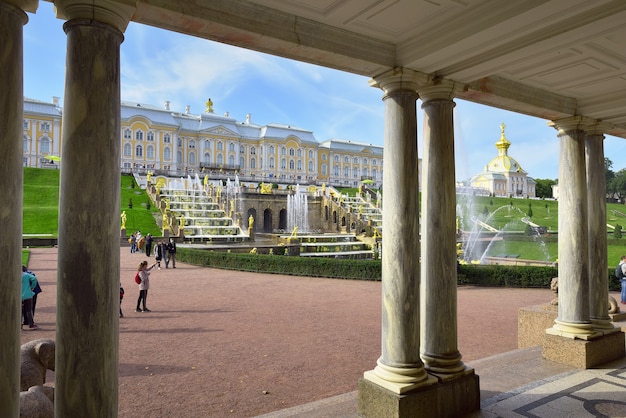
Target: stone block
column 583, row 354
column 451, row 398
column 532, row 323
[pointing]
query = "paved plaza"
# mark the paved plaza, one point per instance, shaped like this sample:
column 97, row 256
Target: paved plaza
column 224, row 343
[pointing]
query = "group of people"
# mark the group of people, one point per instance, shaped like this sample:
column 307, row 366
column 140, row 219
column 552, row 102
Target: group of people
column 30, row 290
column 166, row 252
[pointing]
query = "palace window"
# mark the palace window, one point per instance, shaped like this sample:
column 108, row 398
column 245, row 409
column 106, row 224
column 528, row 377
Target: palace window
column 179, row 157
column 324, row 169
column 242, row 162
column 44, row 145
column 127, row 150
column 26, row 125
column 207, row 157
column 252, row 151
column 283, row 164
column 220, row 159
column 150, row 151
column 167, row 154
column 291, row 152
column 252, row 163
column 355, row 173
column 139, row 135
column 242, row 149
column 336, row 158
column 167, row 138
column 231, row 160
column 365, row 161
column 138, row 151
column 346, row 172
column 356, row 160
column 310, row 165
column 346, row 160
column 192, row 158
column 271, row 162
column 26, row 142
column 150, row 136
column 128, row 134
column 291, row 165
column 179, row 142
column 374, row 174
column 231, row 147
column 220, row 146
column 192, row 144
column 365, row 172
column 207, row 144
column 299, row 152
column 283, row 151
column 45, row 126
column 323, row 157
column 271, row 149
column 299, row 165
column 337, row 170
column 310, row 153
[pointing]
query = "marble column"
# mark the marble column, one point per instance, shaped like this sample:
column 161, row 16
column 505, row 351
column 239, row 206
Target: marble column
column 596, row 203
column 12, row 20
column 89, row 260
column 400, row 369
column 439, row 350
column 573, row 318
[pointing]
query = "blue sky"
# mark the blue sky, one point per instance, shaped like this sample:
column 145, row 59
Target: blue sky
column 157, row 65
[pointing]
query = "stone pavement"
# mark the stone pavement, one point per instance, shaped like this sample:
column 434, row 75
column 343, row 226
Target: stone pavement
column 234, row 344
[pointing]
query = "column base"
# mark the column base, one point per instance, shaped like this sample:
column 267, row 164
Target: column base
column 583, row 354
column 452, row 398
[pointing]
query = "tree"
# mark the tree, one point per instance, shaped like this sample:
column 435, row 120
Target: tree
column 543, row 187
column 617, row 187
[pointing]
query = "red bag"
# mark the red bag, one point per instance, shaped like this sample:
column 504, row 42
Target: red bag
column 137, row 278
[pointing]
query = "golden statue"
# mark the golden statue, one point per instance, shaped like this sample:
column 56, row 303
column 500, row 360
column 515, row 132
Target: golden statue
column 182, row 221
column 209, row 106
column 206, row 179
column 251, row 228
column 148, row 175
column 166, row 224
column 294, row 232
column 123, row 216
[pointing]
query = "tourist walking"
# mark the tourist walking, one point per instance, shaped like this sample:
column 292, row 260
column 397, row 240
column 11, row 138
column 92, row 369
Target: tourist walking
column 133, row 243
column 29, row 281
column 159, row 251
column 144, row 275
column 171, row 253
column 149, row 240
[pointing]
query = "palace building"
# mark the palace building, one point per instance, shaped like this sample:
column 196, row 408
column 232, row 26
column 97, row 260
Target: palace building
column 503, row 176
column 166, row 142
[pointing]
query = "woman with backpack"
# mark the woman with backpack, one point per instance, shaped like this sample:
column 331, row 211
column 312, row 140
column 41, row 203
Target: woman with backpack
column 143, row 278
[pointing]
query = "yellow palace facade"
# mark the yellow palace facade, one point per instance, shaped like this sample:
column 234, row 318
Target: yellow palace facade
column 167, row 142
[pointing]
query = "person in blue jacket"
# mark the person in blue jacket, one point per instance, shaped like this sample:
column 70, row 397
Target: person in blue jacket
column 29, row 282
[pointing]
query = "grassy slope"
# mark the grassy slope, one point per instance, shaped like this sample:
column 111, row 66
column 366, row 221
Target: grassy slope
column 41, row 203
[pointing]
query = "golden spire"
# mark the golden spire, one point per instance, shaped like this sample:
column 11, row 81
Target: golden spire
column 503, row 144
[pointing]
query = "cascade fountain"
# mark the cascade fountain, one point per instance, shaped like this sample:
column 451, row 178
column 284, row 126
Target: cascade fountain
column 298, row 211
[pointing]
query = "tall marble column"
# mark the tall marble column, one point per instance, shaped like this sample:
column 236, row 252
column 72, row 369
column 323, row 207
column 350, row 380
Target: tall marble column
column 400, row 368
column 596, row 202
column 89, row 260
column 573, row 319
column 438, row 275
column 12, row 20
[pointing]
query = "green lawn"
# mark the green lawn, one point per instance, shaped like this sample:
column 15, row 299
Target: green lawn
column 41, row 204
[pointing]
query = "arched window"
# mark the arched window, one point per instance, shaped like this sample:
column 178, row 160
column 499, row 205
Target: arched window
column 292, row 152
column 324, row 169
column 346, row 160
column 180, row 142
column 299, row 165
column 128, row 134
column 365, row 161
column 283, row 151
column 310, row 153
column 150, row 151
column 207, row 144
column 346, row 172
column 365, row 171
column 231, row 160
column 252, row 163
column 336, row 158
column 139, row 135
column 167, row 138
column 355, row 173
column 299, row 152
column 271, row 149
column 373, row 162
column 220, row 159
column 138, row 151
column 242, row 149
column 179, row 157
column 192, row 144
column 207, row 157
column 242, row 162
column 128, row 151
column 356, row 160
column 231, row 146
column 283, row 164
column 374, row 174
column 252, row 151
column 310, row 165
column 220, row 146
column 336, row 170
column 167, row 154
column 150, row 136
column 291, row 165
column 192, row 158
column 272, row 162
column 26, row 142
column 44, row 145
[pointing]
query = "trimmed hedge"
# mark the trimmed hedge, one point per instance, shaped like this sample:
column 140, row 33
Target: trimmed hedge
column 475, row 275
column 280, row 264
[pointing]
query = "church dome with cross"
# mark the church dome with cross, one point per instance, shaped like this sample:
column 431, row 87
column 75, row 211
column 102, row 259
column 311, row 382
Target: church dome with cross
column 503, row 175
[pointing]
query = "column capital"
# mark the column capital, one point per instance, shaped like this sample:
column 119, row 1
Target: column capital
column 398, row 79
column 25, row 5
column 116, row 13
column 438, row 89
column 580, row 123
